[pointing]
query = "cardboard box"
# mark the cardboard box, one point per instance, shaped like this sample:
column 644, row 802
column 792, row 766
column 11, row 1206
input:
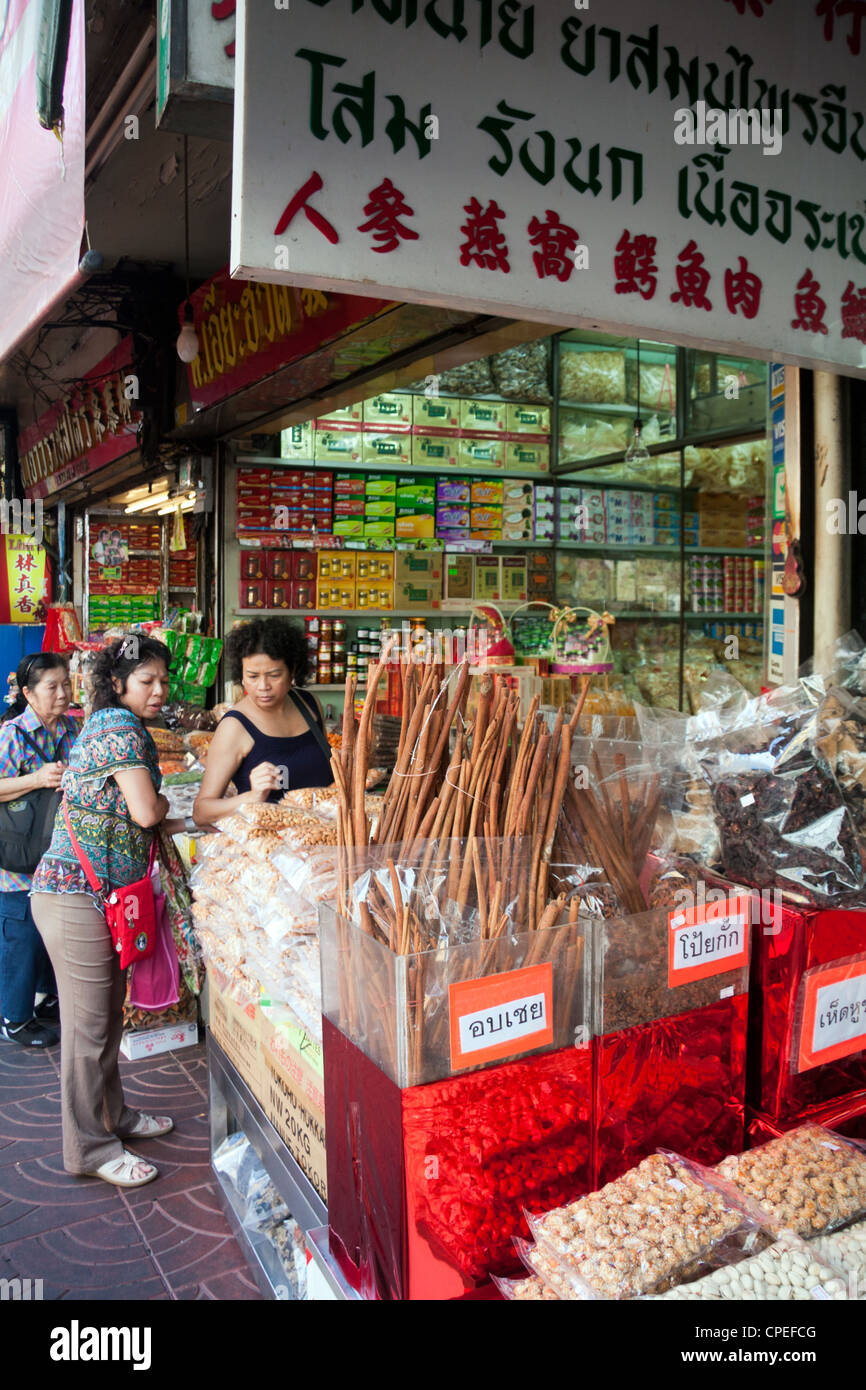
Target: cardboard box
column 532, row 455
column 514, row 580
column 388, row 409
column 297, row 442
column 380, row 485
column 417, row 579
column 336, row 564
column 350, row 527
column 236, row 1028
column 488, row 417
column 459, row 577
column 379, row 507
column 419, row 494
column 527, row 419
column 452, row 518
column 349, row 485
column 417, row 596
column 486, row 492
column 435, row 449
column 150, row 1042
column 338, row 446
column 481, row 453
column 375, row 593
column 335, row 594
column 291, row 1093
column 485, row 519
column 436, row 413
column 488, row 578
column 388, row 447
column 349, row 506
column 414, row 526
column 456, row 492
column 347, row 414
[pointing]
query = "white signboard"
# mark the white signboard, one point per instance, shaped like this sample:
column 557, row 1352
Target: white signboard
column 574, row 164
column 196, row 67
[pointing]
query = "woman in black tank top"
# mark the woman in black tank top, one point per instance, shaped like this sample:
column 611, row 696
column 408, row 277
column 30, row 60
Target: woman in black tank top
column 273, row 741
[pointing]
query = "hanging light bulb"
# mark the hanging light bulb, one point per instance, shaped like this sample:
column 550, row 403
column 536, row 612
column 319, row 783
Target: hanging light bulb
column 187, row 339
column 637, row 451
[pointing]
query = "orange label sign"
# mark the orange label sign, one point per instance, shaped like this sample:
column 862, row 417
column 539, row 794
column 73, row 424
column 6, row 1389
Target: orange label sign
column 834, row 1014
column 709, row 939
column 501, row 1015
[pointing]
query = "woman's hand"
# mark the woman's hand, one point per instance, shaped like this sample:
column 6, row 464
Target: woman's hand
column 264, row 778
column 50, row 774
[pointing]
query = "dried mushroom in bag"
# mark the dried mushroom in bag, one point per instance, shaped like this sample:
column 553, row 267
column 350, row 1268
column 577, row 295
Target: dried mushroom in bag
column 522, row 373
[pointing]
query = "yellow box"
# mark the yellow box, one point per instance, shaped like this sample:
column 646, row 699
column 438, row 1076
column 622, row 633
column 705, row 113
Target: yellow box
column 527, row 419
column 527, row 455
column 335, row 565
column 486, row 492
column 388, row 409
column 338, row 446
column 374, row 566
column 481, row 453
column 419, row 528
column 375, row 594
column 484, row 416
column 436, row 412
column 386, row 446
column 347, row 414
column 439, row 450
column 335, row 594
column 297, row 441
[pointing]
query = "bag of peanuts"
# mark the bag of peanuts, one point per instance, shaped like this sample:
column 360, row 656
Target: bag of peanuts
column 533, row 1289
column 810, row 1180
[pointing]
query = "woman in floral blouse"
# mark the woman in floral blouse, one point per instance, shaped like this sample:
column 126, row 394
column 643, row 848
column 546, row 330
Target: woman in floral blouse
column 114, row 806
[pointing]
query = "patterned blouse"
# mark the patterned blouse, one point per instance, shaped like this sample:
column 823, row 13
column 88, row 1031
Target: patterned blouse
column 112, row 740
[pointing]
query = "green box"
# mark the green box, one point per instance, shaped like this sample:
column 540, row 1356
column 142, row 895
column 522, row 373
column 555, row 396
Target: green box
column 381, row 485
column 383, row 527
column 379, row 506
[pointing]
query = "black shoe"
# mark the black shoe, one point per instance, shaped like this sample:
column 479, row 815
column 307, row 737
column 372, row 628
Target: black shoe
column 29, row 1034
column 49, row 1010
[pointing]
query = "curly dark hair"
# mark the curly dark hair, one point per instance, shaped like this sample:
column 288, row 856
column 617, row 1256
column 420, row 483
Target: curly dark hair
column 275, row 637
column 118, row 660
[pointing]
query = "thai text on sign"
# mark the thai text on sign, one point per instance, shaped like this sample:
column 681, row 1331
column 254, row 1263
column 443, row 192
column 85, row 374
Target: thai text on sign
column 709, row 939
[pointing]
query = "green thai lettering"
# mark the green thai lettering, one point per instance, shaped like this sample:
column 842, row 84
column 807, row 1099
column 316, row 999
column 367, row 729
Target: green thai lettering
column 318, row 62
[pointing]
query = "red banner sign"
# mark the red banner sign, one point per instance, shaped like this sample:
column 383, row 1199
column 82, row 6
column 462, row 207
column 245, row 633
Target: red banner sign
column 96, row 424
column 247, row 331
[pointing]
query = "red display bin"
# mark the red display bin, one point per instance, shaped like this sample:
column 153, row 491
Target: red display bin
column 847, row 1116
column 432, row 1161
column 790, row 955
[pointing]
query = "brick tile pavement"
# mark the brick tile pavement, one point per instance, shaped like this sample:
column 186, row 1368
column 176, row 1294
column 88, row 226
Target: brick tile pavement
column 85, row 1239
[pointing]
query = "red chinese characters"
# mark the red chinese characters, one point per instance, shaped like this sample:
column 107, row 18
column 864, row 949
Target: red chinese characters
column 635, row 266
column 854, row 312
column 692, row 279
column 743, row 290
column 556, row 242
column 831, row 10
column 756, row 6
column 313, row 185
column 484, row 242
column 224, row 9
column 383, row 211
column 809, row 305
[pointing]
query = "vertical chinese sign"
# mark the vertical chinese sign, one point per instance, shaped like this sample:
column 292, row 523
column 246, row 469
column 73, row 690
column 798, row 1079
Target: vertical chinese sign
column 25, row 580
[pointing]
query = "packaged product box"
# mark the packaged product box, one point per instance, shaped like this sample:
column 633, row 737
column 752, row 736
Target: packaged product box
column 456, row 492
column 375, row 593
column 278, row 594
column 252, row 593
column 340, row 564
column 350, row 484
column 527, row 419
column 435, row 413
column 391, row 447
column 485, row 519
column 253, row 521
column 514, row 581
column 417, row 596
column 486, row 492
column 349, row 527
column 253, row 564
column 414, row 526
column 418, row 566
column 452, row 518
column 338, row 446
column 349, row 506
column 381, row 485
column 527, row 454
column 416, row 492
column 253, row 497
column 488, row 578
column 390, row 409
column 516, row 491
column 625, row 581
column 439, row 449
column 452, row 537
column 335, row 594
column 484, row 535
column 481, row 453
column 379, row 507
column 526, row 532
column 485, row 416
column 380, row 526
column 459, row 577
column 303, row 593
column 297, row 442
column 351, row 415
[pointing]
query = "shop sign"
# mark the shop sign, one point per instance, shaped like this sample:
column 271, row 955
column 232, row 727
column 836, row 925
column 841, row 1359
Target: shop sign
column 195, row 67
column 42, row 178
column 249, row 331
column 24, row 590
column 501, row 1015
column 96, row 424
column 689, row 171
column 833, row 1014
column 709, row 939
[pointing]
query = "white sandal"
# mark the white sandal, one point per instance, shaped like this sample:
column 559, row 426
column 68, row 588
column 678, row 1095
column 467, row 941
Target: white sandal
column 120, row 1172
column 150, row 1127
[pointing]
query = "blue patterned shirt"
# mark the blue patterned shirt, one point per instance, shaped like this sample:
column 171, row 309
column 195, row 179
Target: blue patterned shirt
column 18, row 758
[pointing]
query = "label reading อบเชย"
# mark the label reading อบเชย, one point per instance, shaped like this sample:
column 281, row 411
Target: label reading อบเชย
column 501, row 1015
column 710, row 939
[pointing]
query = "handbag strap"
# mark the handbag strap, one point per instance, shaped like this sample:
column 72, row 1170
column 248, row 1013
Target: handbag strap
column 313, row 725
column 35, row 746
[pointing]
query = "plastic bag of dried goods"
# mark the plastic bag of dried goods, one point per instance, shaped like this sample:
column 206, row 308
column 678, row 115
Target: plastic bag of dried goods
column 595, row 377
column 787, row 1270
column 809, row 1180
column 522, row 373
column 532, row 1290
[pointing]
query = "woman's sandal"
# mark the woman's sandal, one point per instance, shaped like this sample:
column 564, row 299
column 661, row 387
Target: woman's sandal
column 150, row 1127
column 121, row 1172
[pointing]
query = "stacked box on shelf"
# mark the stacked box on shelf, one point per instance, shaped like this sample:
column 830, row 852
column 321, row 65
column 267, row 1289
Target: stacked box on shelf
column 544, row 504
column 415, row 516
column 380, row 504
column 582, row 515
column 299, row 500
column 518, row 510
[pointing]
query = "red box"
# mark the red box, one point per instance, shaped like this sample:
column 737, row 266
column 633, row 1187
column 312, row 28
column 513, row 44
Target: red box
column 252, row 593
column 280, row 564
column 278, row 593
column 286, row 497
column 847, row 1116
column 303, row 593
column 254, row 477
column 253, row 497
column 252, row 564
column 304, row 564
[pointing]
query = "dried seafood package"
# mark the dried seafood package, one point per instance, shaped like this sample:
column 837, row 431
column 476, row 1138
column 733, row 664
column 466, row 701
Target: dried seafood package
column 522, row 373
column 842, row 741
column 471, row 379
column 595, row 377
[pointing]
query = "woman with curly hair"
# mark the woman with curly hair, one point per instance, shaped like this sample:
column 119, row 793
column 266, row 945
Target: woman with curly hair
column 273, row 740
column 114, row 805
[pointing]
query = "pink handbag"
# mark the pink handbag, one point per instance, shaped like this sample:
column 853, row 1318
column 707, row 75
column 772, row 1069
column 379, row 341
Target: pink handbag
column 154, row 983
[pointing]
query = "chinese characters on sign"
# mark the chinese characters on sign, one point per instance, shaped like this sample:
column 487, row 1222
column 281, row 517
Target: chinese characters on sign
column 25, row 593
column 85, row 421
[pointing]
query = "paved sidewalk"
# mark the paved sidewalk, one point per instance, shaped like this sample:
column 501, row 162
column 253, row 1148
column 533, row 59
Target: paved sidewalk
column 87, row 1240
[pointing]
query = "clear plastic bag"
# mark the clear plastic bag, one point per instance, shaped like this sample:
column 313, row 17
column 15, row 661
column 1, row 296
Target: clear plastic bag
column 846, row 1250
column 522, row 373
column 533, row 1289
column 810, row 1180
column 597, row 378
column 842, row 741
column 787, row 1270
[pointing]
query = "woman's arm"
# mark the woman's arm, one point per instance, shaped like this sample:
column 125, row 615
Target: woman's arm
column 146, row 806
column 49, row 775
column 225, row 754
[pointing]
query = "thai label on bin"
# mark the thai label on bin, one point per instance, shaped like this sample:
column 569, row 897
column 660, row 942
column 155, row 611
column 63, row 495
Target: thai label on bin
column 833, row 1017
column 501, row 1015
column 708, row 939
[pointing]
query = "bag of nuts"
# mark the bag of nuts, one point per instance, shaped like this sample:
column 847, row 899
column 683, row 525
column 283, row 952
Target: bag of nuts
column 810, row 1180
